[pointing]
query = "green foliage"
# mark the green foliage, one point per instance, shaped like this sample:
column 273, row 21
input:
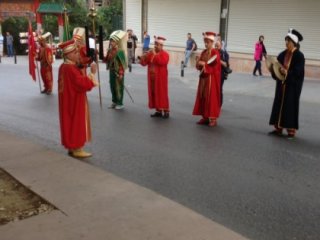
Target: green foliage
column 50, row 24
column 110, row 18
column 78, row 15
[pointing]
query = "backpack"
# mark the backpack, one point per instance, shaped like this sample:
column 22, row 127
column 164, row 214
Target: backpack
column 195, row 45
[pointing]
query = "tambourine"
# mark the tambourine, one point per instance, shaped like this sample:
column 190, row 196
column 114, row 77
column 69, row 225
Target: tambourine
column 274, row 67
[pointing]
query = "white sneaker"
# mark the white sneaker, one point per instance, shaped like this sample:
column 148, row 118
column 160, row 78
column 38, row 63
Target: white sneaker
column 113, row 105
column 119, row 107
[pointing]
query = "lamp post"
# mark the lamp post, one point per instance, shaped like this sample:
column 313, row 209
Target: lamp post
column 93, row 14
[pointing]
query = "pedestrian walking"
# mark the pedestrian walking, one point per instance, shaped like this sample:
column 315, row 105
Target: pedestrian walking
column 131, row 46
column 117, row 64
column 9, row 41
column 259, row 52
column 208, row 97
column 73, row 104
column 290, row 76
column 225, row 67
column 190, row 47
column 157, row 62
column 45, row 57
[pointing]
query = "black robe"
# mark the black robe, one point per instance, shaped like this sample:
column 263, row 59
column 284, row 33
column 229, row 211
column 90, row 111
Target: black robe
column 285, row 110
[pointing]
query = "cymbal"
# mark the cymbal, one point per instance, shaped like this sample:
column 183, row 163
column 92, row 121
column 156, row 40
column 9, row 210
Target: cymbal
column 276, row 69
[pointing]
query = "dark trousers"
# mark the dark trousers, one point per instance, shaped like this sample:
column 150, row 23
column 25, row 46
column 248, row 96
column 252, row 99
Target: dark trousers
column 92, row 53
column 10, row 50
column 257, row 67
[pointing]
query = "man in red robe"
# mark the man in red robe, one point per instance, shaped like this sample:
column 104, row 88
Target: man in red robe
column 208, row 98
column 46, row 59
column 73, row 103
column 79, row 38
column 157, row 61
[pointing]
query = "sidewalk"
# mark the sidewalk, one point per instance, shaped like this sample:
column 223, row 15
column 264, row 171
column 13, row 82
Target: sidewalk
column 94, row 204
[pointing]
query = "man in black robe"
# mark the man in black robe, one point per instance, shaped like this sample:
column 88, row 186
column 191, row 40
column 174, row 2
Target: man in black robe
column 285, row 110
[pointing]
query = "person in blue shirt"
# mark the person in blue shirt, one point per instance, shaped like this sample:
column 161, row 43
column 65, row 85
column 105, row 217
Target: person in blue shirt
column 146, row 42
column 190, row 46
column 9, row 40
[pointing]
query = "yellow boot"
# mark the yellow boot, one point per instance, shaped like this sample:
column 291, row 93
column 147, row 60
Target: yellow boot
column 79, row 153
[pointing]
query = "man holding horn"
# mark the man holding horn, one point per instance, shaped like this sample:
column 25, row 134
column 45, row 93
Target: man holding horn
column 208, row 101
column 157, row 62
column 289, row 73
column 45, row 57
column 73, row 103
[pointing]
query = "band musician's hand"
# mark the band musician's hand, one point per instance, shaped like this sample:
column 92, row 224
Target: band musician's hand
column 95, row 83
column 283, row 71
column 93, row 68
column 201, row 63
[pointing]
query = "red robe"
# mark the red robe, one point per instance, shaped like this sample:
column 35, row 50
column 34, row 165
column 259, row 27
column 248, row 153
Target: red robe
column 208, row 96
column 46, row 60
column 157, row 79
column 73, row 106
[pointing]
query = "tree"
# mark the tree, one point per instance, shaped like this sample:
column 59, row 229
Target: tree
column 110, row 17
column 77, row 13
column 50, row 24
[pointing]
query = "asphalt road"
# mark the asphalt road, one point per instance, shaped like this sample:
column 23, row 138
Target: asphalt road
column 263, row 187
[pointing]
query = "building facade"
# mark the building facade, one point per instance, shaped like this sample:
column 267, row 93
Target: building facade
column 16, row 8
column 239, row 21
column 34, row 9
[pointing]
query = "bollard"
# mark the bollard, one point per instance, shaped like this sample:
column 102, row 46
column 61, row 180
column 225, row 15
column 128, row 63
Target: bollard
column 15, row 57
column 182, row 69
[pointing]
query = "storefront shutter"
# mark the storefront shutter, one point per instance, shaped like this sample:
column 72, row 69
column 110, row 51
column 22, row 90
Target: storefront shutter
column 133, row 20
column 250, row 18
column 174, row 19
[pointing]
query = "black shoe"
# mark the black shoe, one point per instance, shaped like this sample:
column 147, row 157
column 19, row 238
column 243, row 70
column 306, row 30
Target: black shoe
column 166, row 115
column 255, row 74
column 44, row 91
column 275, row 133
column 156, row 114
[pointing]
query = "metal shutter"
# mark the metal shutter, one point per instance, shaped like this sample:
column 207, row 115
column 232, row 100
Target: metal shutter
column 174, row 19
column 133, row 18
column 250, row 18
